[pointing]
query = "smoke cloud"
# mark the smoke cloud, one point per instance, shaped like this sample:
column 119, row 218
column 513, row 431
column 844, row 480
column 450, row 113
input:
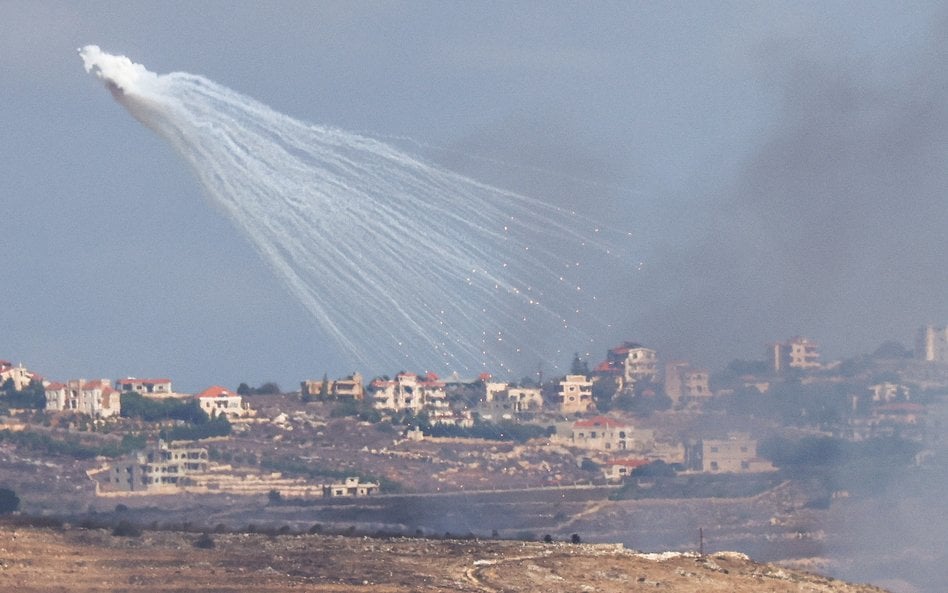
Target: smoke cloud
column 834, row 229
column 402, row 263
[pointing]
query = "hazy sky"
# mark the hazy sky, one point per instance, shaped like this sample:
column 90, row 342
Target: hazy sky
column 782, row 164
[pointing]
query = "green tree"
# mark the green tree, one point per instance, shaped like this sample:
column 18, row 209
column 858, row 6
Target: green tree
column 324, row 388
column 655, row 469
column 9, row 501
column 579, row 366
column 31, row 397
column 268, row 388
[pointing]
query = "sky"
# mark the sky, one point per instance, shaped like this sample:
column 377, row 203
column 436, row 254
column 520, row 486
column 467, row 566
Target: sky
column 781, row 165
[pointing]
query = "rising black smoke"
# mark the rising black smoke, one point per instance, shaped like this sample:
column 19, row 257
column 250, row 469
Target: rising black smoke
column 835, row 228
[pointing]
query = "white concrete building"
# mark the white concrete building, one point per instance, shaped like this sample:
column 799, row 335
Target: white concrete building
column 218, row 400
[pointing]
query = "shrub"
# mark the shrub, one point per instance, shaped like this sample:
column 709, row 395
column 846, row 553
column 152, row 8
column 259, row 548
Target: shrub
column 9, row 501
column 126, row 529
column 205, row 542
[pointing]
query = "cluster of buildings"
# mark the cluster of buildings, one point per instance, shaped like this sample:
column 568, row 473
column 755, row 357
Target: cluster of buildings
column 613, row 443
column 102, row 398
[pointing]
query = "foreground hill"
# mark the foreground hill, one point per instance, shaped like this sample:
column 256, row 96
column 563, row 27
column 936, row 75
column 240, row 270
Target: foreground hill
column 85, row 560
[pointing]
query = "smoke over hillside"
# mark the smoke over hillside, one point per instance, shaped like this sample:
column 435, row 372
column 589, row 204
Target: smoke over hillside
column 835, row 228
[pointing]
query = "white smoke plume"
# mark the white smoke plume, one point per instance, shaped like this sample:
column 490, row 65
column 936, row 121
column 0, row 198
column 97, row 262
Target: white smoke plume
column 400, row 262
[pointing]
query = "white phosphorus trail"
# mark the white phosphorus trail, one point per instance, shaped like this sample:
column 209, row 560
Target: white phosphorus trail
column 403, row 263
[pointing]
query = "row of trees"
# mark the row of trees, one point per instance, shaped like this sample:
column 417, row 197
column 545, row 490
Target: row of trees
column 31, row 397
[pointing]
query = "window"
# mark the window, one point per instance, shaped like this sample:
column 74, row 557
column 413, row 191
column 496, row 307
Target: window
column 714, row 466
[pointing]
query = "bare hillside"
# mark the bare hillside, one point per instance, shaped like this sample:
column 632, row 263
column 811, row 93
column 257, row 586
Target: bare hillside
column 80, row 560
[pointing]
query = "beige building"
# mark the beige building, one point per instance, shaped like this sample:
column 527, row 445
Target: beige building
column 795, row 353
column 155, row 468
column 19, row 374
column 408, row 393
column 735, row 454
column 94, row 398
column 602, row 433
column 684, row 383
column 890, row 392
column 350, row 387
column 146, row 387
column 217, row 400
column 628, row 363
column 931, row 344
column 575, row 395
column 502, row 401
column 641, row 364
column 351, row 487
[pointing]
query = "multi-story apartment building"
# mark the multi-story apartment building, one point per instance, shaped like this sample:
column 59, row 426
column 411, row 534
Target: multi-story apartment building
column 795, row 353
column 629, row 363
column 162, row 466
column 575, row 395
column 684, row 383
column 408, row 393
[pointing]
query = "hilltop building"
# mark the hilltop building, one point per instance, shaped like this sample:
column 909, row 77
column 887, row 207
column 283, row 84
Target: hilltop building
column 408, row 393
column 217, row 400
column 19, row 374
column 503, row 402
column 628, row 363
column 349, row 387
column 575, row 395
column 795, row 353
column 94, row 398
column 146, row 387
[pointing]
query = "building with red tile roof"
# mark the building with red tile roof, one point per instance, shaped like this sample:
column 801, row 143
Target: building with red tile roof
column 217, row 400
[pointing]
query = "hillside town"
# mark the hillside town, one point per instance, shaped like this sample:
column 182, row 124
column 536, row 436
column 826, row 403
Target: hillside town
column 632, row 414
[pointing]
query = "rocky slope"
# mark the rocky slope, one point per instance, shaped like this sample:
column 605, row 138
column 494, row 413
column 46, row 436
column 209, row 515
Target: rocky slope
column 85, row 560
